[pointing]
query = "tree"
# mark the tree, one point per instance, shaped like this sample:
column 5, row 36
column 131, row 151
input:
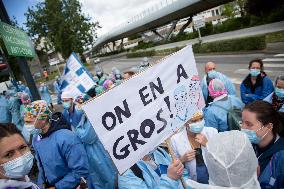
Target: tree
column 241, row 6
column 60, row 25
column 262, row 8
column 234, row 8
column 228, row 10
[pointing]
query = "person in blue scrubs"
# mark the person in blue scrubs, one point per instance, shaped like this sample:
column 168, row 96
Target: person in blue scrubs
column 61, row 156
column 5, row 116
column 98, row 157
column 257, row 85
column 45, row 94
column 264, row 127
column 154, row 171
column 216, row 114
column 14, row 108
column 56, row 87
column 277, row 97
column 211, row 73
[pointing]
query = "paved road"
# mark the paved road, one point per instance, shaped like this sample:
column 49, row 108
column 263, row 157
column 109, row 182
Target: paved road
column 234, row 66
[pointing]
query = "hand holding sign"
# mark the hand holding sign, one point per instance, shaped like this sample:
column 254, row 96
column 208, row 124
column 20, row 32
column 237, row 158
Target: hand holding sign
column 136, row 116
column 175, row 169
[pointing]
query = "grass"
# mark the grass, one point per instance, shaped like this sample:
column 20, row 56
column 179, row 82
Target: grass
column 232, row 45
column 275, row 37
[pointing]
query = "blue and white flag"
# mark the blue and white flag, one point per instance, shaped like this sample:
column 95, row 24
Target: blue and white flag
column 76, row 79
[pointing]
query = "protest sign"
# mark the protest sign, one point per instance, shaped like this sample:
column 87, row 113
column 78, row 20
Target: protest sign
column 135, row 117
column 76, row 79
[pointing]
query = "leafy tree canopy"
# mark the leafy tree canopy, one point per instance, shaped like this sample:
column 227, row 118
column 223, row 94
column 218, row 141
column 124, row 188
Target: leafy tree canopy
column 60, row 25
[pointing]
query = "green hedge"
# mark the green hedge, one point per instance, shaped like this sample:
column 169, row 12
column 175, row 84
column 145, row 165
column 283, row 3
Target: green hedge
column 109, row 53
column 140, row 54
column 166, row 52
column 143, row 45
column 240, row 44
column 275, row 37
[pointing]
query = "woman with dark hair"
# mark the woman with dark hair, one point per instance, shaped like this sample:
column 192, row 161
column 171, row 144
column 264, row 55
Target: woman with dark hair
column 277, row 97
column 16, row 159
column 257, row 85
column 264, row 128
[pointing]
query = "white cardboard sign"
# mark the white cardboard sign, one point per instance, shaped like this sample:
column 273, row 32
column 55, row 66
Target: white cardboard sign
column 136, row 116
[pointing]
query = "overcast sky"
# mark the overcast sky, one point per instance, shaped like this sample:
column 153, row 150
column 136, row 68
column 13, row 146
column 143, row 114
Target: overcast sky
column 114, row 12
column 109, row 13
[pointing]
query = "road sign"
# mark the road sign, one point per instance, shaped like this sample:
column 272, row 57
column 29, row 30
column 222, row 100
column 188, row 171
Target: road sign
column 16, row 41
column 198, row 21
column 53, row 61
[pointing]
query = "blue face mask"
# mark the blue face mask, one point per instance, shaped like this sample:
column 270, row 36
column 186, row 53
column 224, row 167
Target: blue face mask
column 66, row 105
column 196, row 127
column 254, row 72
column 19, row 167
column 253, row 138
column 279, row 92
column 212, row 74
column 152, row 151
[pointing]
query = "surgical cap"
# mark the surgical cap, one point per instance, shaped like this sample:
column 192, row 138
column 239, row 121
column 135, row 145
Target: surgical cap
column 216, row 88
column 67, row 94
column 231, row 162
column 117, row 72
column 113, row 69
column 108, row 84
column 35, row 108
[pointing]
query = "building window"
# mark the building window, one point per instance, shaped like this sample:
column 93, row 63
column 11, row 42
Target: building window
column 212, row 12
column 217, row 11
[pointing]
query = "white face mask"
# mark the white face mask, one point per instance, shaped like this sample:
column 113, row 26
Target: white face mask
column 19, row 167
column 31, row 129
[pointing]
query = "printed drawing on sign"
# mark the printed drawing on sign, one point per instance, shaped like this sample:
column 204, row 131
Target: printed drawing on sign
column 181, row 103
column 135, row 117
column 188, row 100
